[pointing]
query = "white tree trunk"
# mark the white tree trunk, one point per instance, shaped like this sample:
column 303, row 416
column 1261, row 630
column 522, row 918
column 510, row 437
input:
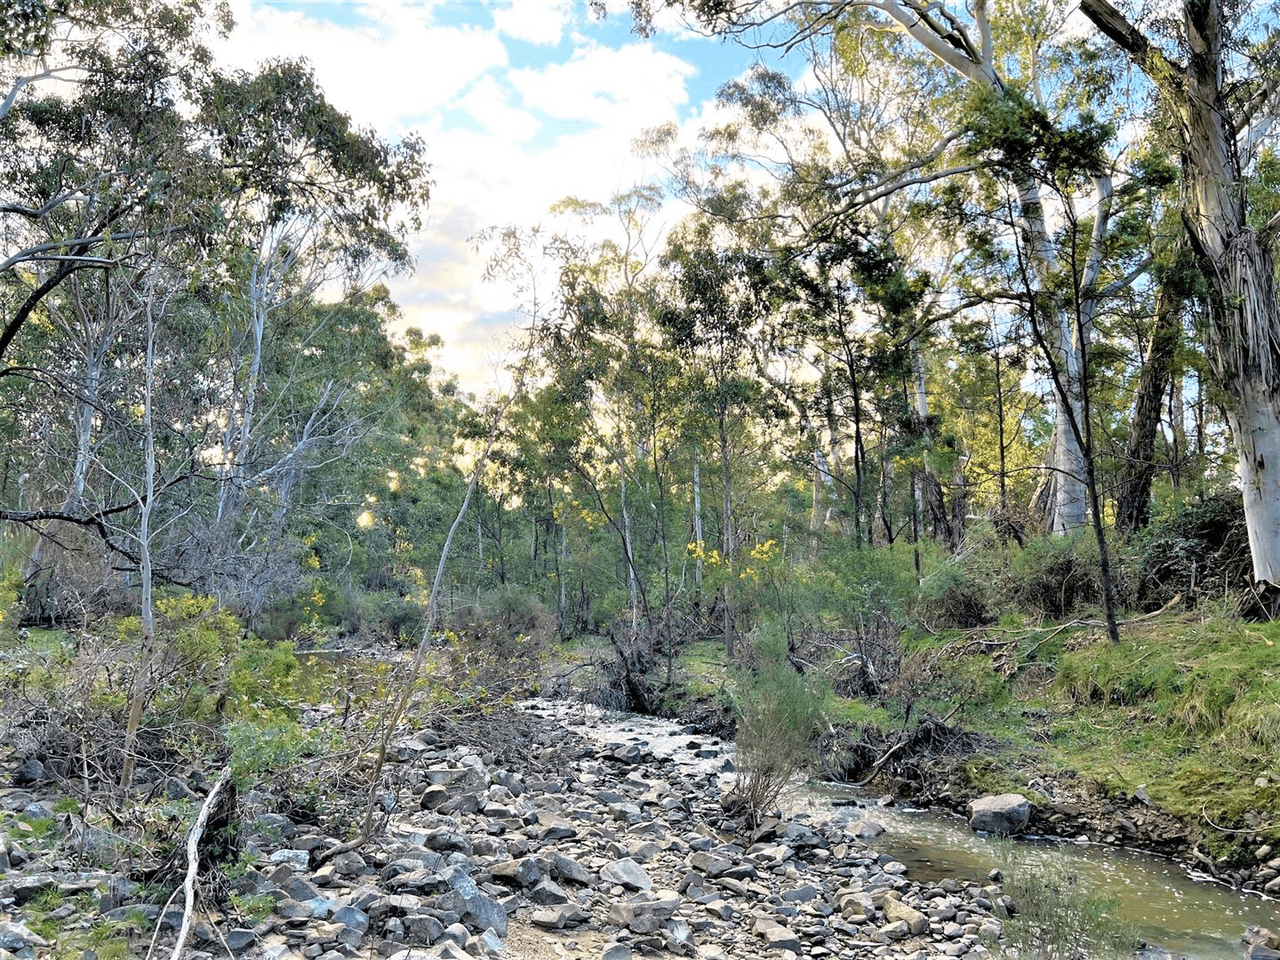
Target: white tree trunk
column 1255, row 424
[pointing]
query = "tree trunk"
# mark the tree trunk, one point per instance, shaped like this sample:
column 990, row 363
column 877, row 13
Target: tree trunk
column 1244, row 312
column 1133, row 501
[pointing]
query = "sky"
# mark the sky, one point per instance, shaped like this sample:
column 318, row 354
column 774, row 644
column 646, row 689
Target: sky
column 521, row 103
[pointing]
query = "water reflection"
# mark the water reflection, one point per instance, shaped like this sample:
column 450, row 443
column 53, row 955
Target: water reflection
column 1197, row 919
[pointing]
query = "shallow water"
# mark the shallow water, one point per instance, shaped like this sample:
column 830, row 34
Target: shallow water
column 1168, row 908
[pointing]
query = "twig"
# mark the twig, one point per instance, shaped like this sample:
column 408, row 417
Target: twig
column 193, row 864
column 1204, row 812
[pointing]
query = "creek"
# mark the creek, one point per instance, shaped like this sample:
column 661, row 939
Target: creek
column 1185, row 915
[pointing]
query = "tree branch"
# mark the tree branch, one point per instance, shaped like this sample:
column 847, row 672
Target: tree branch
column 1166, row 74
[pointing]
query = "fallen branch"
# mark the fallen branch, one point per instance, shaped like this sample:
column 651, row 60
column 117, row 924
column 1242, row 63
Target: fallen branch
column 193, row 864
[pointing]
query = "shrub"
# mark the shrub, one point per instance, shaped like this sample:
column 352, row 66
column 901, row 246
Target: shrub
column 956, row 597
column 1058, row 576
column 1200, row 551
column 1055, row 917
column 780, row 716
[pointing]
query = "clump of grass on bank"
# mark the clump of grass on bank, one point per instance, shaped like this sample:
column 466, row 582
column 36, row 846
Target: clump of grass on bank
column 1190, row 708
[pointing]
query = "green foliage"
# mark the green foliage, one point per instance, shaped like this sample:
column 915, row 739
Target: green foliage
column 957, row 596
column 1059, row 577
column 1056, row 918
column 1200, row 551
column 780, row 715
column 197, row 640
column 268, row 747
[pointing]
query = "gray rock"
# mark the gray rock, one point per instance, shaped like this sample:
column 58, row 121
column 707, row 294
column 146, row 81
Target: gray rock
column 457, row 933
column 487, row 944
column 898, row 930
column 239, row 939
column 29, row 771
column 547, row 893
column 350, row 864
column 351, row 917
column 479, row 907
column 14, row 936
column 897, row 911
column 709, row 864
column 867, row 829
column 433, row 797
column 615, row 951
column 626, row 873
column 559, row 917
column 567, row 868
column 526, row 871
column 776, row 936
column 1004, row 815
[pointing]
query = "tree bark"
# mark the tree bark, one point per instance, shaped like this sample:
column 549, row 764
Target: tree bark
column 1133, row 501
column 1244, row 312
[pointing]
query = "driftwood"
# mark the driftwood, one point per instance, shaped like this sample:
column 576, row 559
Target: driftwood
column 194, row 836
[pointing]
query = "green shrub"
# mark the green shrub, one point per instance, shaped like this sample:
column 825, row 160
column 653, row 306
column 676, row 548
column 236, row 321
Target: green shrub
column 780, row 715
column 1056, row 917
column 957, row 597
column 1200, row 551
column 1060, row 577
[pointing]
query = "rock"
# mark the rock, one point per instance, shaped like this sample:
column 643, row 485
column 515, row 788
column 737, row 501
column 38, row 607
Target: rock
column 661, row 907
column 433, row 797
column 29, row 771
column 567, row 868
column 350, row 864
column 626, row 873
column 710, row 865
column 867, row 829
column 548, row 893
column 558, row 917
column 616, row 951
column 487, row 944
column 14, row 936
column 898, row 930
column 776, row 936
column 526, row 871
column 1003, row 815
column 897, row 911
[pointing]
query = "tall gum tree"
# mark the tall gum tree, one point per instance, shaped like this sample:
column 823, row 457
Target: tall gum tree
column 995, row 51
column 1220, row 87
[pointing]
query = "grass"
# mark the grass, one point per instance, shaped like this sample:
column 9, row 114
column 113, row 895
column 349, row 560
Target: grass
column 1188, row 708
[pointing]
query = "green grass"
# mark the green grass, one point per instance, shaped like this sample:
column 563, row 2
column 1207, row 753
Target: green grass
column 1185, row 707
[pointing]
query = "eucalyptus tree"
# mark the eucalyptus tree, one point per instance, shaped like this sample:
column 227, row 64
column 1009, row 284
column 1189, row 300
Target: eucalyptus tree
column 1001, row 64
column 1215, row 73
column 82, row 84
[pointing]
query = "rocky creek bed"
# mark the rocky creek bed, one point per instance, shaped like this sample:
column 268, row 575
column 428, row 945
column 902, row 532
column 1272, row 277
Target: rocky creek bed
column 513, row 836
column 535, row 833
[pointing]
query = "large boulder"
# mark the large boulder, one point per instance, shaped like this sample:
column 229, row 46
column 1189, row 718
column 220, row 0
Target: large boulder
column 1003, row 815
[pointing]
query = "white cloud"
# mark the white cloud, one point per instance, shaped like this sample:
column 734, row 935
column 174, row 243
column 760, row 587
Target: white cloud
column 389, row 74
column 505, row 139
column 634, row 86
column 537, row 21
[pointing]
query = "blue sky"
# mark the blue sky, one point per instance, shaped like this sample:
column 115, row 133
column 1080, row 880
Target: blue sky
column 521, row 103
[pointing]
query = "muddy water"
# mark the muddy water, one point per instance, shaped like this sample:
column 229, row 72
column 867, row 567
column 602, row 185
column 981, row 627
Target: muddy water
column 1187, row 916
